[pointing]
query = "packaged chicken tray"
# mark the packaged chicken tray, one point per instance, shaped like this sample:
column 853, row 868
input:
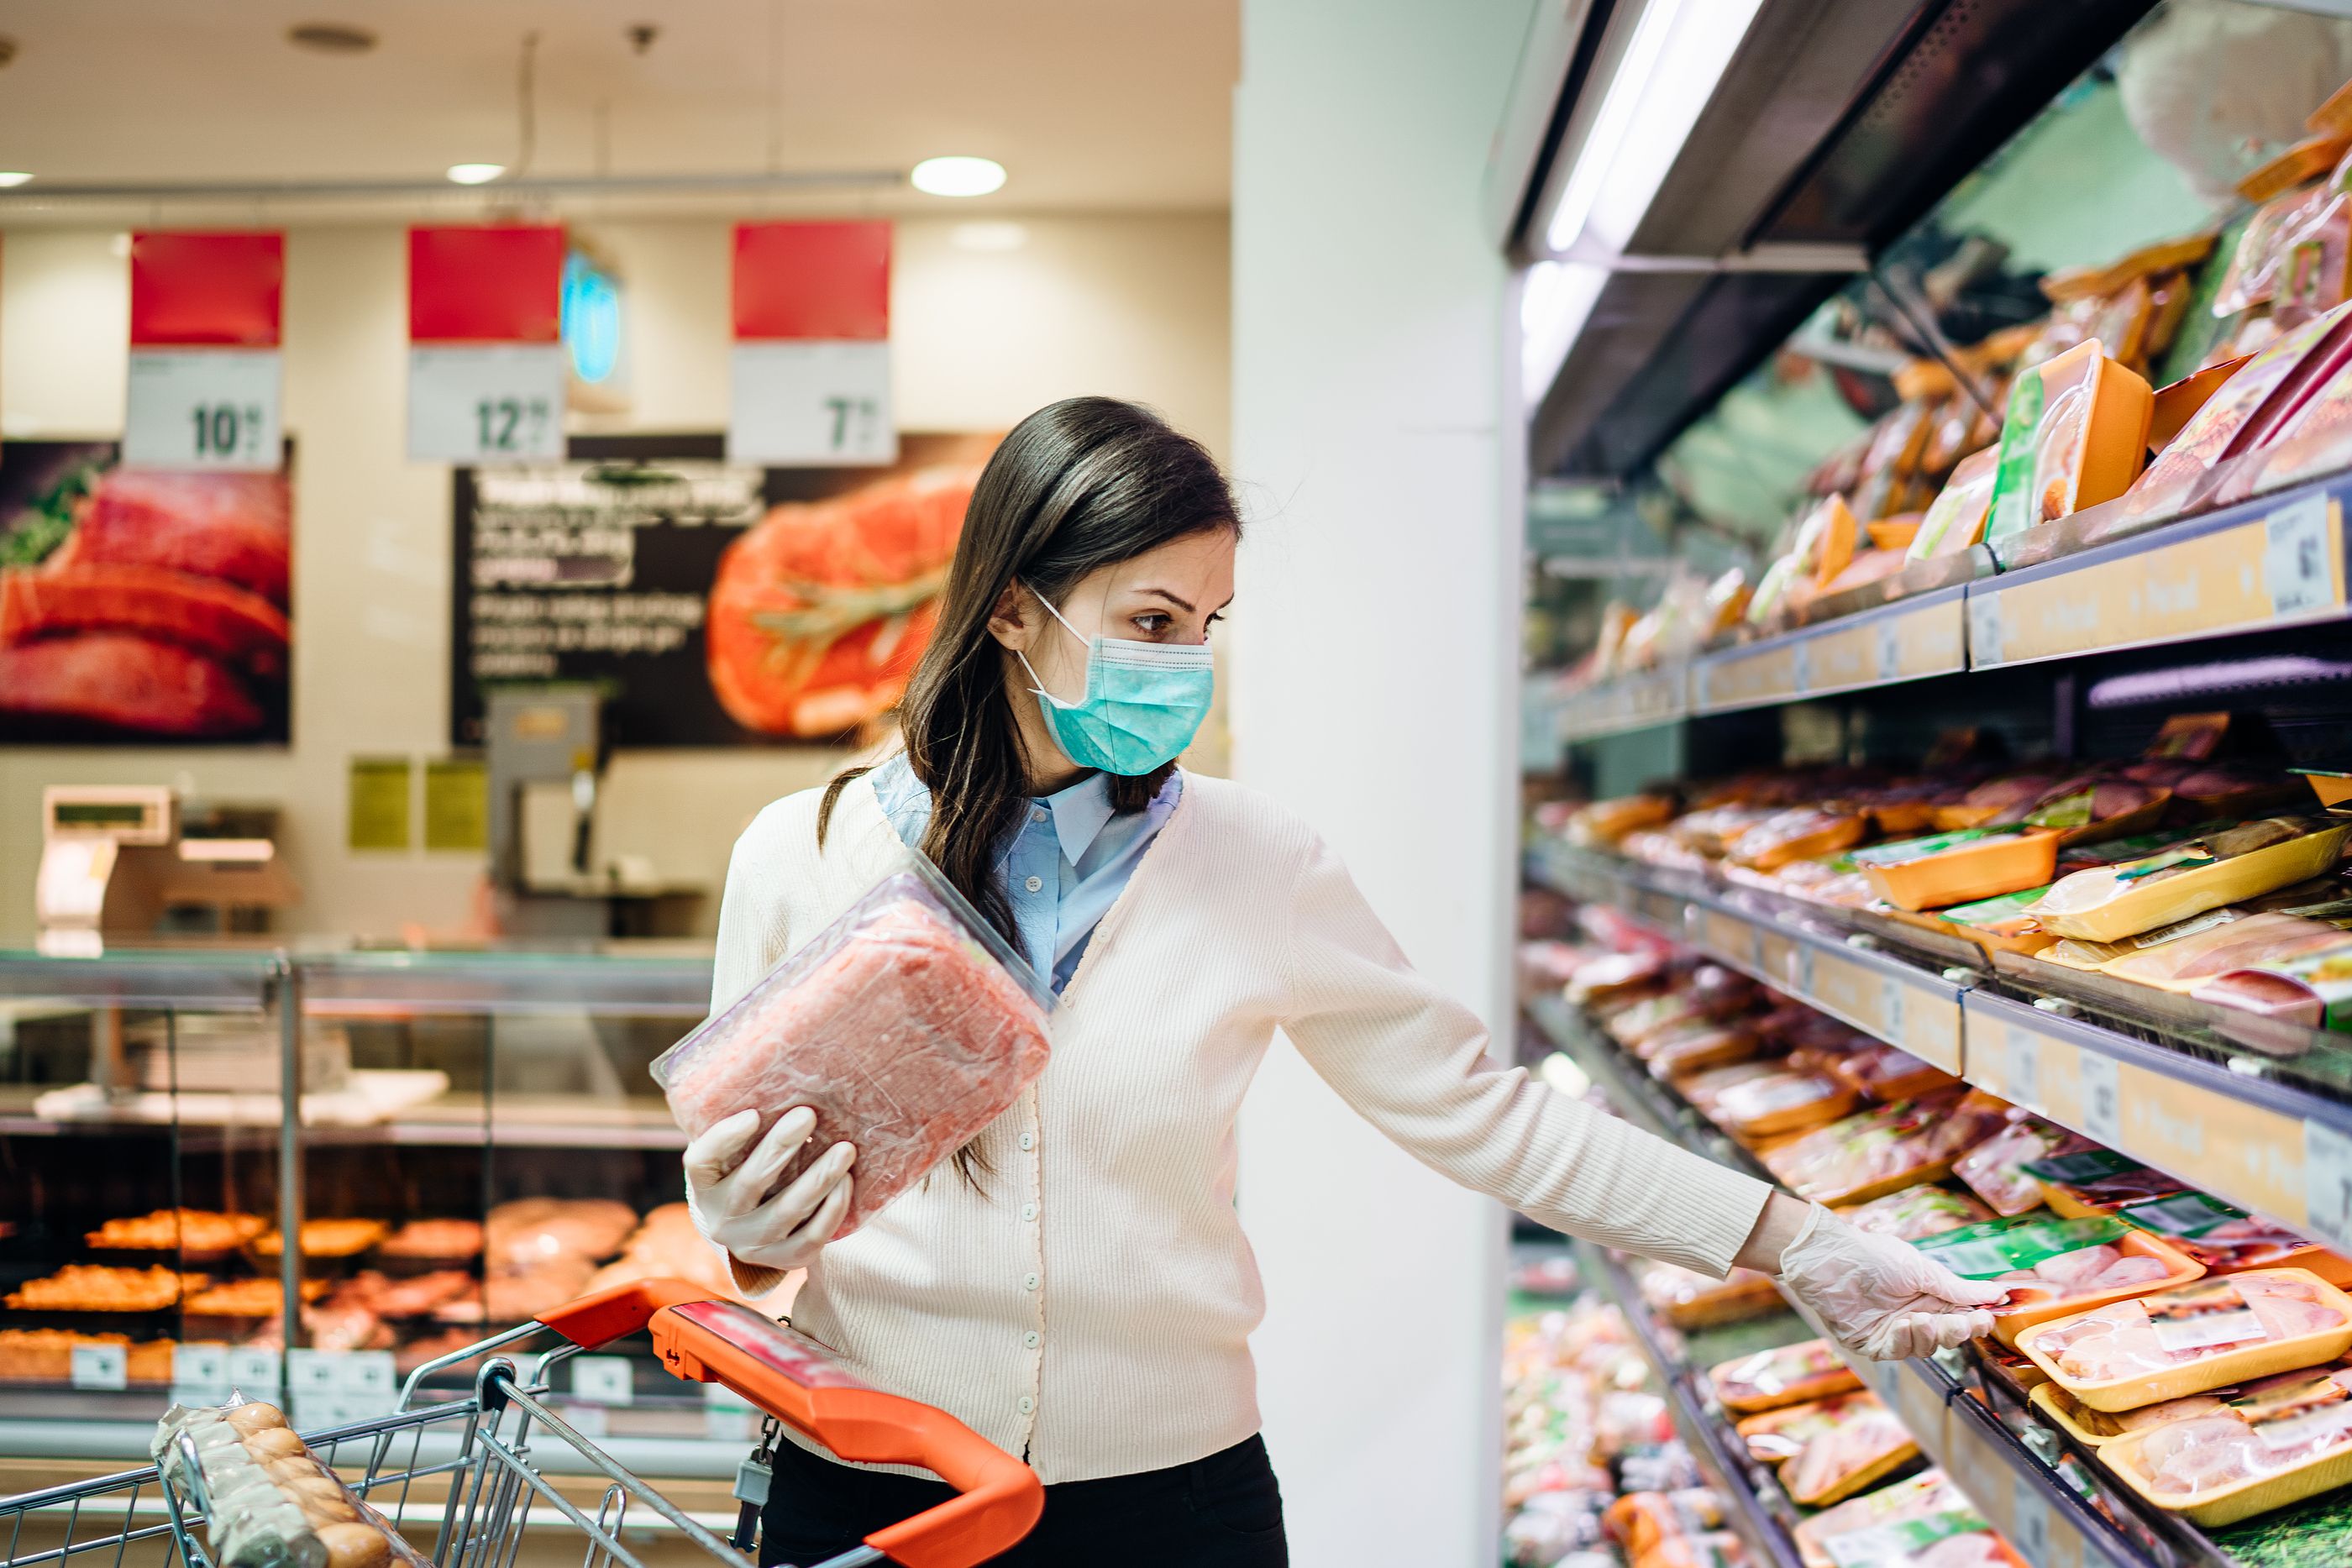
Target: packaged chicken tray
column 1884, row 1150
column 2097, row 1428
column 2193, row 1338
column 908, row 1025
column 1690, row 1299
column 1904, row 1525
column 2277, row 1441
column 2094, row 1183
column 1791, row 1375
column 1831, row 1450
column 2055, row 1268
column 1917, row 1212
column 1995, row 1169
column 2228, row 1240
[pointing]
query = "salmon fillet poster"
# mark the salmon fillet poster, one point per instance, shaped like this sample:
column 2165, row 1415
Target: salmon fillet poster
column 140, row 607
column 718, row 604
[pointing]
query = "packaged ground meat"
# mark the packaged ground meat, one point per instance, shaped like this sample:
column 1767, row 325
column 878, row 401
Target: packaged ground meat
column 908, row 1025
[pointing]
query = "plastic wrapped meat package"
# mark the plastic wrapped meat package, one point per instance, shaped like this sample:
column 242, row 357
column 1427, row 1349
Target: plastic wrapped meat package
column 2057, row 1267
column 1869, row 1532
column 2206, row 951
column 1783, row 1101
column 2108, row 903
column 1799, row 832
column 1791, row 1375
column 1861, row 1448
column 906, row 1025
column 2095, row 1429
column 2095, row 1183
column 1877, row 1151
column 1690, row 1299
column 2311, row 990
column 2228, row 1240
column 1882, row 1071
column 2193, row 1337
column 2274, row 1442
column 1917, row 1212
column 2075, row 435
column 1995, row 1169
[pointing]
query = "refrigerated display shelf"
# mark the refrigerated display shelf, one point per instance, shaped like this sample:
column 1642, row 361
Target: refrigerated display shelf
column 2258, row 1116
column 2276, row 562
column 1756, row 1511
column 2021, row 1491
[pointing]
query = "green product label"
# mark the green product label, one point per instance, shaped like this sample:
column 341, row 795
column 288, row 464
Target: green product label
column 1996, row 911
column 1903, row 1542
column 2184, row 1214
column 2075, row 1170
column 2004, row 1245
column 2015, row 507
column 1920, row 849
column 2068, row 811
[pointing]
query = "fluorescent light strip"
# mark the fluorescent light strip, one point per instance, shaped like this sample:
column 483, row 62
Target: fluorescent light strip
column 1671, row 67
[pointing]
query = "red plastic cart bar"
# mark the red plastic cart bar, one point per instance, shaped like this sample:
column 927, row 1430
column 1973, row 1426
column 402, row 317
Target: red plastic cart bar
column 790, row 1377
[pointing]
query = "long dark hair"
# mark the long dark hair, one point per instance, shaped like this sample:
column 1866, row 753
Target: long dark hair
column 1079, row 485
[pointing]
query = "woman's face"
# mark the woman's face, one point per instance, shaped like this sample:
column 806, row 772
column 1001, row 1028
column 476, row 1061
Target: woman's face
column 1171, row 594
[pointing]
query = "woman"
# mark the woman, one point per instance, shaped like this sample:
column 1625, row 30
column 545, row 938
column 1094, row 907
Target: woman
column 1078, row 1289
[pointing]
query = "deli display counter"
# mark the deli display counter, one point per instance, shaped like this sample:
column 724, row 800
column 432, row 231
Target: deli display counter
column 475, row 1139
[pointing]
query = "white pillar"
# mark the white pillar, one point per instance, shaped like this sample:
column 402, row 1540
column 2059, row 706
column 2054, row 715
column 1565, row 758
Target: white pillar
column 1374, row 690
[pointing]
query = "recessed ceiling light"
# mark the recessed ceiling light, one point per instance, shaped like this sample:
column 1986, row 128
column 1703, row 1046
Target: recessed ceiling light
column 13, row 178
column 476, row 173
column 330, row 37
column 989, row 236
column 957, row 176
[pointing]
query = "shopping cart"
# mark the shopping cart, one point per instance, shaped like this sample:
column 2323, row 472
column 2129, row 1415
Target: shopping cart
column 473, row 1462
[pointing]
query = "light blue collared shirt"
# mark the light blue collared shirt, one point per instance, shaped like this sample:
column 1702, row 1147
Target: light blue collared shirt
column 1066, row 867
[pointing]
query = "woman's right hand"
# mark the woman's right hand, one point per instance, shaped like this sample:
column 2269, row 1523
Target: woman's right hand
column 730, row 1188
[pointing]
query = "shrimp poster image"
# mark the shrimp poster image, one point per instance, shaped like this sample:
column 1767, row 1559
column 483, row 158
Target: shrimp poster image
column 716, row 603
column 139, row 607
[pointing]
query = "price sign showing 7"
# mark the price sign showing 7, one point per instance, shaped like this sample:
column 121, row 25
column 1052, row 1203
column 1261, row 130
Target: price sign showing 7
column 811, row 403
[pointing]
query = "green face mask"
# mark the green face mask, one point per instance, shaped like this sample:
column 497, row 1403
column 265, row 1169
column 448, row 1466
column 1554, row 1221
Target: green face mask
column 1144, row 702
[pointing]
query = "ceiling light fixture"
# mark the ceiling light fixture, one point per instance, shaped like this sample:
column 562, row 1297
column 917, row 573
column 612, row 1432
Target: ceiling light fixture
column 330, row 37
column 957, row 176
column 475, row 173
column 13, row 178
column 1555, row 299
column 1671, row 67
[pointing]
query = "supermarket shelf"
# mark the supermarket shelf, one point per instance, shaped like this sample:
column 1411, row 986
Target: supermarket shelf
column 1758, row 1518
column 2269, row 1130
column 2273, row 564
column 2009, row 1483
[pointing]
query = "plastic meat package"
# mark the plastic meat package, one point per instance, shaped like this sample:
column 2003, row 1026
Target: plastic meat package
column 2229, row 1241
column 2108, row 903
column 2311, row 990
column 1877, row 1151
column 906, row 1025
column 2094, row 1183
column 1789, row 1376
column 2056, row 1267
column 1995, row 1169
column 1861, row 1448
column 2193, row 1337
column 2215, row 942
column 1882, row 1072
column 1917, row 1212
column 1865, row 1528
column 1690, row 1299
column 267, row 1500
column 2276, row 1441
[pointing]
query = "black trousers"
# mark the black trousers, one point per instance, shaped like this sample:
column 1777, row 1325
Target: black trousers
column 1223, row 1512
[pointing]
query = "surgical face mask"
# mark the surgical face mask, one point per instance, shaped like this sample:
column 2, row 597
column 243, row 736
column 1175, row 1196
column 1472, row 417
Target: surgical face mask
column 1144, row 702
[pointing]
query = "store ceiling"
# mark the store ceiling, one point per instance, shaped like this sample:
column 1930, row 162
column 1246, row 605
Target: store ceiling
column 1090, row 104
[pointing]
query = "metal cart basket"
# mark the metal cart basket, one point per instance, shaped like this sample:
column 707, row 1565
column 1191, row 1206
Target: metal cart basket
column 464, row 1471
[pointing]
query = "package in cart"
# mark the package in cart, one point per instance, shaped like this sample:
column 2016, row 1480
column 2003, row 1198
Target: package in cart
column 266, row 1499
column 908, row 1025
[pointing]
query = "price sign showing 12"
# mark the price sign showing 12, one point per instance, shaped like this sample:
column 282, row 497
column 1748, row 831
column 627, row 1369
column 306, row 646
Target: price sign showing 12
column 484, row 404
column 212, row 409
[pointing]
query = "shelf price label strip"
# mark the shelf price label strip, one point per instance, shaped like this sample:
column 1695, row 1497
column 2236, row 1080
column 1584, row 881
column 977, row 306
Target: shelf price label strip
column 1884, row 999
column 2281, row 567
column 1904, row 643
column 2267, row 1158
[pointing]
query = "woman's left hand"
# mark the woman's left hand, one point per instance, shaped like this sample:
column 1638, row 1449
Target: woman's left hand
column 1880, row 1295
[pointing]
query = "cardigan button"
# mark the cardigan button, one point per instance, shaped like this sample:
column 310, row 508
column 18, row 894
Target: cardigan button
column 1028, row 1281
column 1029, row 1341
column 1028, row 1212
column 1028, row 1141
column 1028, row 1405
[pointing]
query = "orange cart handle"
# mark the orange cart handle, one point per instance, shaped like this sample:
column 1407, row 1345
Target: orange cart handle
column 794, row 1379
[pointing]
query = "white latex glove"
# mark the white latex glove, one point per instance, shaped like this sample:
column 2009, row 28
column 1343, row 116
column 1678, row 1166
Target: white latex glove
column 728, row 1189
column 1880, row 1295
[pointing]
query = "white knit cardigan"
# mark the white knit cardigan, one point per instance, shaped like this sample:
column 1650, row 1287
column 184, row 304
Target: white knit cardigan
column 1089, row 1305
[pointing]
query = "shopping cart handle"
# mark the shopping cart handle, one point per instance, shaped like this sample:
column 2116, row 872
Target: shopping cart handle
column 792, row 1378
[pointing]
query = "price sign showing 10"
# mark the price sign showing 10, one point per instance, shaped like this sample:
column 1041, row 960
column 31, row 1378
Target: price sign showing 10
column 223, row 429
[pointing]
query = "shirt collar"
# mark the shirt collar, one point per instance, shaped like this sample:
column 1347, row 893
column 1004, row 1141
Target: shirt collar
column 1079, row 812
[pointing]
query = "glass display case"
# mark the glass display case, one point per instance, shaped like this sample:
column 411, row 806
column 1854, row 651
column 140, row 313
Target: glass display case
column 477, row 1139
